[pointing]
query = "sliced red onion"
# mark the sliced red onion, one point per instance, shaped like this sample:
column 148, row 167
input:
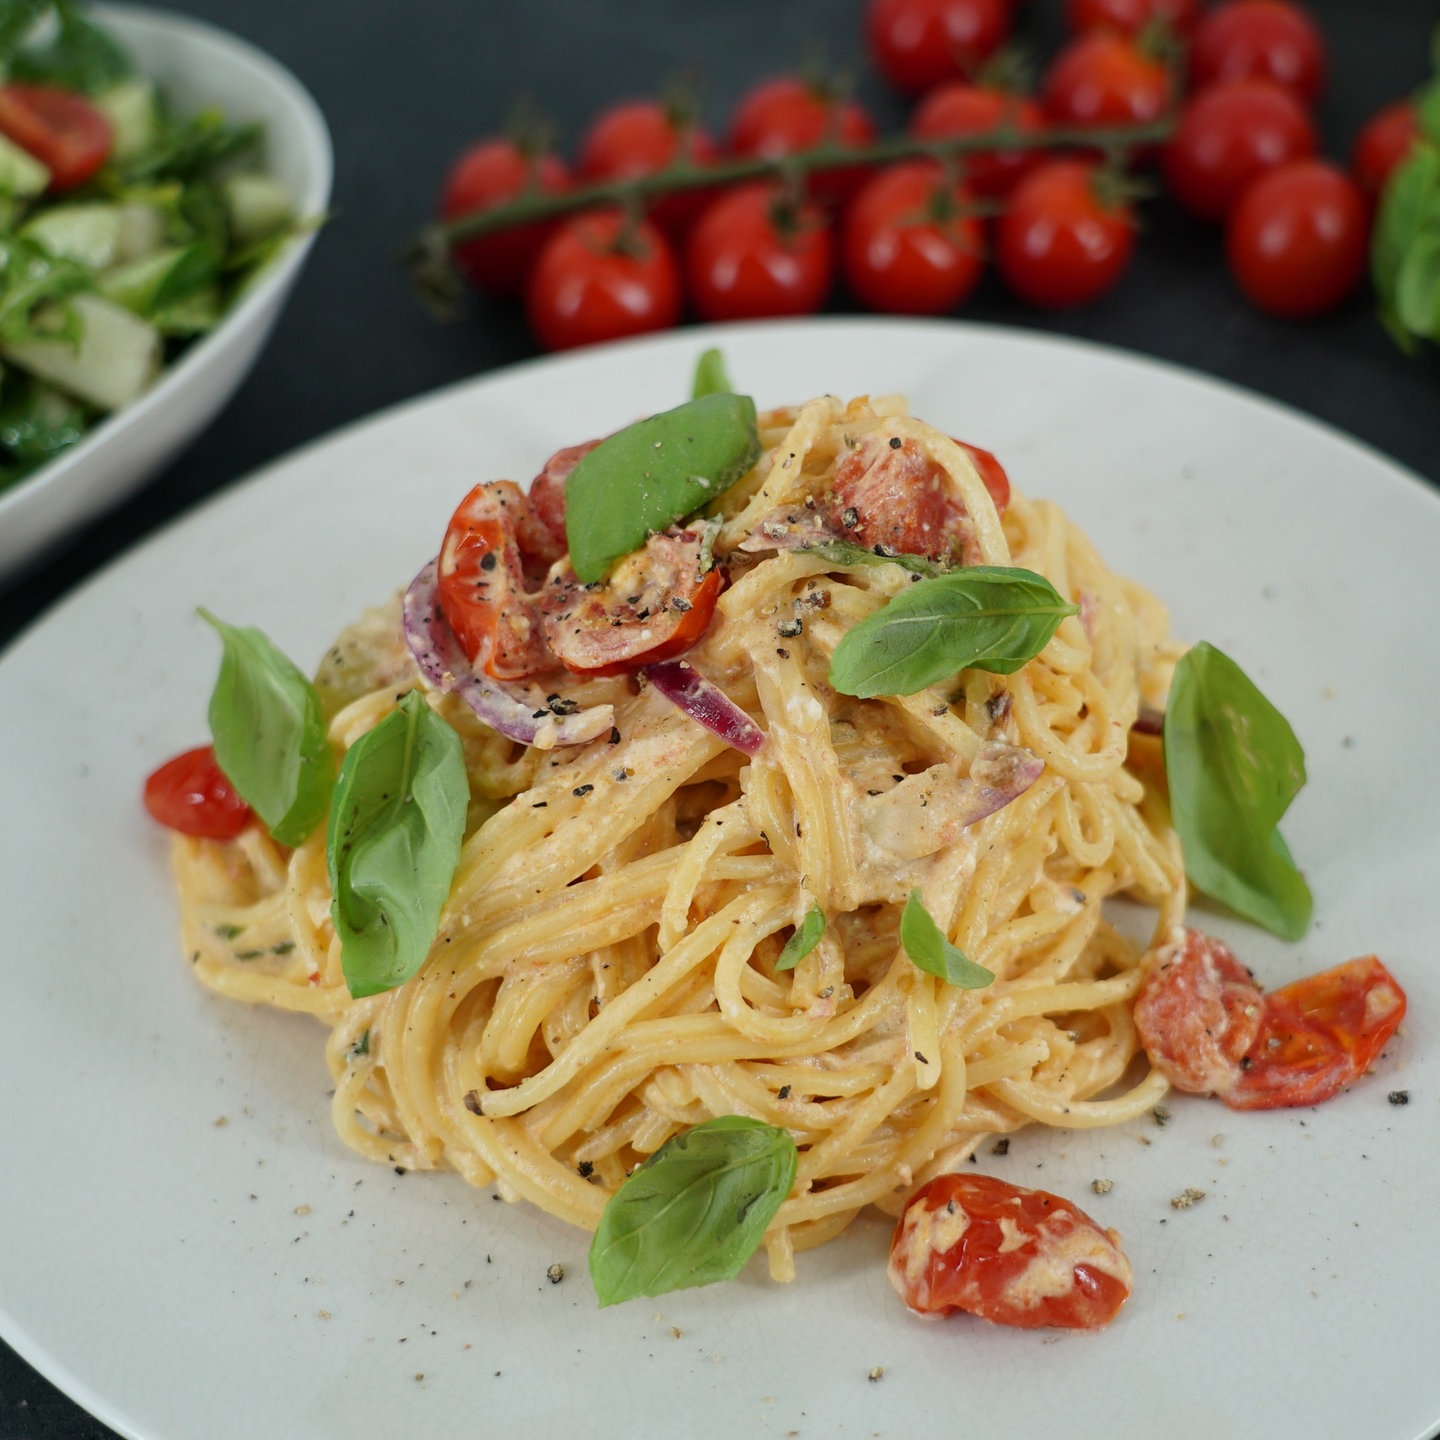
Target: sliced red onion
column 1149, row 721
column 438, row 654
column 999, row 774
column 706, row 704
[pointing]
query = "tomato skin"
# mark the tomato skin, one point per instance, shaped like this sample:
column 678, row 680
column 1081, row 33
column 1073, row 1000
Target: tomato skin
column 992, row 474
column 959, row 108
column 901, row 253
column 955, row 1248
column 1383, row 142
column 1057, row 244
column 918, row 44
column 191, row 795
column 785, row 116
column 1129, row 17
column 1259, row 40
column 1296, row 243
column 62, row 130
column 1103, row 78
column 601, row 277
column 547, row 491
column 747, row 258
column 488, row 174
column 1229, row 134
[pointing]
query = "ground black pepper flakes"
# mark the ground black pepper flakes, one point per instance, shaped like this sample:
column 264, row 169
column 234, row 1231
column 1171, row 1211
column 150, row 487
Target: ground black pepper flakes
column 896, row 442
column 614, row 734
column 556, row 1273
column 1399, row 1097
column 472, row 1102
column 783, row 1093
column 791, row 628
column 585, row 1169
column 1001, row 1146
column 581, row 791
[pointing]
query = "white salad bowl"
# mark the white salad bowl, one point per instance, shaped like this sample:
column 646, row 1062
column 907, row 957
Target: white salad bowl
column 196, row 66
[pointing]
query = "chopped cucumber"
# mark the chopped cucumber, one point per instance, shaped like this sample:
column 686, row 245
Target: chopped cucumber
column 256, row 206
column 87, row 233
column 142, row 231
column 21, row 174
column 165, row 278
column 133, row 110
column 116, row 359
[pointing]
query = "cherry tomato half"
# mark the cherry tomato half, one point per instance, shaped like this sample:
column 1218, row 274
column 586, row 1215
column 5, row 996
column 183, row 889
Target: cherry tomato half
column 1009, row 1255
column 959, row 108
column 917, row 44
column 786, row 116
column 992, row 474
column 1103, row 78
column 1383, row 142
column 488, row 174
column 1296, row 243
column 1061, row 242
column 600, row 277
column 63, row 131
column 1130, row 17
column 1259, row 40
column 191, row 795
column 1229, row 134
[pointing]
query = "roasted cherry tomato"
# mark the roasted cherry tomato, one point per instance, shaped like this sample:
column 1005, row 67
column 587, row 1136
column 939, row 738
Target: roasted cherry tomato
column 63, row 131
column 786, row 116
column 1103, row 78
column 1383, row 142
column 1009, row 1255
column 1229, row 134
column 753, row 254
column 992, row 474
column 959, row 108
column 918, row 44
column 602, row 276
column 489, row 174
column 908, row 246
column 655, row 605
column 1259, row 40
column 547, row 490
column 1297, row 240
column 191, row 794
column 1130, row 17
column 1063, row 241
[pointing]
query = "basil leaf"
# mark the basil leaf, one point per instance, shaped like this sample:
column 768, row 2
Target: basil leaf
column 1402, row 247
column 1233, row 765
column 652, row 473
column 695, row 1211
column 846, row 552
column 710, row 376
column 396, row 824
column 931, row 951
column 804, row 940
column 269, row 735
column 984, row 617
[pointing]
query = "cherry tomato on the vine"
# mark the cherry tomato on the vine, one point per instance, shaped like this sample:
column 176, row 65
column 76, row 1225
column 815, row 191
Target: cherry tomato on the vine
column 491, row 173
column 787, row 116
column 1297, row 241
column 908, row 247
column 917, row 44
column 1130, row 17
column 1229, row 134
column 1383, row 142
column 191, row 795
column 1064, row 240
column 1103, row 78
column 1259, row 40
column 62, row 130
column 602, row 276
column 960, row 108
column 755, row 254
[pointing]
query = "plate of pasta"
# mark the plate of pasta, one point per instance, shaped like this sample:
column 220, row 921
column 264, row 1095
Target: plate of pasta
column 783, row 880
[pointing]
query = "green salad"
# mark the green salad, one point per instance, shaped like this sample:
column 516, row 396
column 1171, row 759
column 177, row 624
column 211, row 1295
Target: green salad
column 126, row 229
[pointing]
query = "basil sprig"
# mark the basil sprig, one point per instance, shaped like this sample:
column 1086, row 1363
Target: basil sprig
column 1233, row 765
column 931, row 951
column 711, row 377
column 846, row 552
column 652, row 473
column 804, row 940
column 695, row 1211
column 269, row 734
column 396, row 825
column 984, row 617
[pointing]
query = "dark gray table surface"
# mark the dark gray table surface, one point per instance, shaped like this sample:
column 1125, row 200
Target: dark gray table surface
column 404, row 87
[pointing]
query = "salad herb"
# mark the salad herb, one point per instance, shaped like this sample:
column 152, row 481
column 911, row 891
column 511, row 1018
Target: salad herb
column 929, row 949
column 804, row 940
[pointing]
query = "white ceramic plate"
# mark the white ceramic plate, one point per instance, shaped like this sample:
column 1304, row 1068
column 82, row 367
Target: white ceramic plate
column 196, row 66
column 190, row 1251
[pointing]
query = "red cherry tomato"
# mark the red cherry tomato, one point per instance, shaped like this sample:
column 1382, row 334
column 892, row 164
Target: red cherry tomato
column 907, row 248
column 1259, row 40
column 1296, row 243
column 1130, row 17
column 1383, row 142
column 63, row 131
column 490, row 174
column 752, row 255
column 1061, row 242
column 601, row 277
column 638, row 138
column 190, row 794
column 1229, row 134
column 1009, row 1255
column 1103, row 78
column 917, row 44
column 992, row 474
column 959, row 108
column 785, row 116
column 896, row 496
column 547, row 490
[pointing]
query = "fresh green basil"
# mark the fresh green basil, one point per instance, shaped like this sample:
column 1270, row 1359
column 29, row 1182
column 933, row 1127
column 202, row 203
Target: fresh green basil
column 804, row 940
column 269, row 733
column 929, row 949
column 846, row 552
column 396, row 824
column 711, row 377
column 695, row 1211
column 653, row 473
column 1233, row 765
column 984, row 617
